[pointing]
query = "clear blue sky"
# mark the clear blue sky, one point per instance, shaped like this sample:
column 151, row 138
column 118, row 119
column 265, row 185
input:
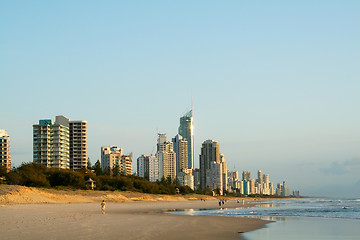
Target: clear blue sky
column 275, row 82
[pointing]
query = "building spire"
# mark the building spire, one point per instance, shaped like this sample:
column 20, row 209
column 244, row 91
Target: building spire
column 192, row 105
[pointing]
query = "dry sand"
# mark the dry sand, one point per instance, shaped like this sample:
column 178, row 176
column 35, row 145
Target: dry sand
column 127, row 219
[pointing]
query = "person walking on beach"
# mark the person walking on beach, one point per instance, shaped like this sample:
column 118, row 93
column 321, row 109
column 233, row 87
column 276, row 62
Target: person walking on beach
column 219, row 203
column 103, row 204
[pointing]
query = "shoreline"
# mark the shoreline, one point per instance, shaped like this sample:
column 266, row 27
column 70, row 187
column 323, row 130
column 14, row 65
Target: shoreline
column 30, row 213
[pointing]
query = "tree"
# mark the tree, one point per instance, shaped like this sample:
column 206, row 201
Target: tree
column 97, row 168
column 106, row 171
column 116, row 171
column 3, row 171
column 88, row 163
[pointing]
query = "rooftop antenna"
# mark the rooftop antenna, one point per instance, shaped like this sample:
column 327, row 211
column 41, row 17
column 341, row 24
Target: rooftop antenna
column 192, row 105
column 152, row 150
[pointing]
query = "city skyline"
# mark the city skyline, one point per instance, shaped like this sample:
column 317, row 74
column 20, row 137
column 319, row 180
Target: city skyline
column 275, row 83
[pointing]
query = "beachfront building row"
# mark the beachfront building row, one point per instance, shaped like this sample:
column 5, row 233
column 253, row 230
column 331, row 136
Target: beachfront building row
column 247, row 186
column 283, row 190
column 170, row 161
column 5, row 157
column 173, row 159
column 115, row 162
column 260, row 186
column 61, row 143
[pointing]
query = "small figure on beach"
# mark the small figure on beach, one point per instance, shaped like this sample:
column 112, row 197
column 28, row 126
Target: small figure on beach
column 103, row 204
column 223, row 202
column 238, row 201
column 219, row 203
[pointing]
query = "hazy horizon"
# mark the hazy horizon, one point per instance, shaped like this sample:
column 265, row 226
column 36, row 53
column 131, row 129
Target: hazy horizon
column 275, row 83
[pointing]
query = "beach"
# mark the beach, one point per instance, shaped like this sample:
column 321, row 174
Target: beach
column 142, row 218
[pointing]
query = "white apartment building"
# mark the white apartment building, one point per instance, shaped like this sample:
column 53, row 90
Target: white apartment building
column 148, row 167
column 5, row 157
column 143, row 166
column 61, row 144
column 51, row 144
column 224, row 172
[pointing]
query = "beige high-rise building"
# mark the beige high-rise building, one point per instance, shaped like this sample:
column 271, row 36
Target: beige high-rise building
column 252, row 186
column 5, row 157
column 110, row 158
column 126, row 164
column 181, row 149
column 78, row 145
column 167, row 157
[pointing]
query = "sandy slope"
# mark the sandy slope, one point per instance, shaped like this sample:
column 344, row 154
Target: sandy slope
column 20, row 195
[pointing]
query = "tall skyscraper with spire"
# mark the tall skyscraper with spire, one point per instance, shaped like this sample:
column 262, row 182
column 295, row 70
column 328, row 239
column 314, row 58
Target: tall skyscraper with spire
column 186, row 130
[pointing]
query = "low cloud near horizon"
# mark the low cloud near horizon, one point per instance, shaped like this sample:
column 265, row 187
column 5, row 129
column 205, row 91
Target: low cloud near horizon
column 343, row 167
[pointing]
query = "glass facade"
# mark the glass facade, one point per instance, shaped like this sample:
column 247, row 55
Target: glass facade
column 186, row 130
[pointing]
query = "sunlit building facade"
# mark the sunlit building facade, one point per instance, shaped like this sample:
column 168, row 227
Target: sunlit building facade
column 111, row 158
column 186, row 130
column 5, row 157
column 167, row 157
column 78, row 145
column 181, row 149
column 51, row 144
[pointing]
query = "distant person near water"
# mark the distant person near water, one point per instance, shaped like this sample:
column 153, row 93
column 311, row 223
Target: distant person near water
column 103, row 204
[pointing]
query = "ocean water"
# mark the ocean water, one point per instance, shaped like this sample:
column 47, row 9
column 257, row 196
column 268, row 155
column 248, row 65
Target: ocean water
column 310, row 218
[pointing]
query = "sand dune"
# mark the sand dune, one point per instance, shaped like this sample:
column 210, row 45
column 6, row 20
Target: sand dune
column 23, row 195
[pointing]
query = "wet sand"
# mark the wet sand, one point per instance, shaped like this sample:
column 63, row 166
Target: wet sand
column 123, row 220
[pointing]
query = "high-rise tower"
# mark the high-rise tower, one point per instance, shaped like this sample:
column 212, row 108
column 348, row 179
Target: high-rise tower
column 167, row 157
column 5, row 158
column 61, row 144
column 181, row 150
column 78, row 145
column 210, row 153
column 51, row 144
column 186, row 130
